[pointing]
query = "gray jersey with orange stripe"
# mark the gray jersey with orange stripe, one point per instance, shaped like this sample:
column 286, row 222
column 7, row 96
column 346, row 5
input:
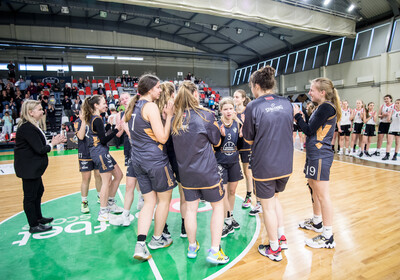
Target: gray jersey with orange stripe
column 318, row 145
column 95, row 147
column 83, row 149
column 268, row 127
column 197, row 164
column 146, row 150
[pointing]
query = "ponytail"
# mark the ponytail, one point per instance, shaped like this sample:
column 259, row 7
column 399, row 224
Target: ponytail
column 88, row 107
column 131, row 106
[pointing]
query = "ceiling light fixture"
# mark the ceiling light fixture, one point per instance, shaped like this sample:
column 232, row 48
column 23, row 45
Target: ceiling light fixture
column 129, row 58
column 124, row 16
column 326, row 2
column 157, row 20
column 351, row 8
column 261, row 34
column 103, row 14
column 214, row 27
column 64, row 10
column 187, row 23
column 239, row 30
column 44, row 7
column 89, row 56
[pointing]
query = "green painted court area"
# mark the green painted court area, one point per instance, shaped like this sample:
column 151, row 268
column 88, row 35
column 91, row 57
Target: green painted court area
column 79, row 247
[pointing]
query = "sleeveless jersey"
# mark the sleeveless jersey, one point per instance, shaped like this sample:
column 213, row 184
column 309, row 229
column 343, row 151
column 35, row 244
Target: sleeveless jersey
column 228, row 152
column 268, row 127
column 358, row 117
column 371, row 120
column 386, row 109
column 395, row 125
column 345, row 120
column 246, row 146
column 146, row 150
column 95, row 147
column 194, row 153
column 318, row 145
column 83, row 148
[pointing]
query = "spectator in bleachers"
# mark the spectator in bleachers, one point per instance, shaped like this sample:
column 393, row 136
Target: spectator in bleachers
column 81, row 84
column 76, row 107
column 118, row 80
column 21, row 85
column 13, row 108
column 52, row 99
column 74, row 93
column 86, row 83
column 32, row 90
column 7, row 124
column 7, row 109
column 189, row 76
column 2, row 85
column 67, row 90
column 10, row 90
column 129, row 81
column 51, row 117
column 27, row 96
column 56, row 88
column 11, row 70
column 4, row 98
column 101, row 90
column 123, row 80
column 67, row 106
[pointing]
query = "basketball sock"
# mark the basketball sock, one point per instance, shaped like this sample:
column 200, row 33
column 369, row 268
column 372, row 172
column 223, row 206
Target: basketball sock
column 327, row 232
column 228, row 214
column 157, row 237
column 317, row 219
column 281, row 231
column 228, row 221
column 333, row 147
column 141, row 238
column 248, row 194
column 111, row 199
column 84, row 198
column 193, row 245
column 214, row 249
column 274, row 245
column 126, row 212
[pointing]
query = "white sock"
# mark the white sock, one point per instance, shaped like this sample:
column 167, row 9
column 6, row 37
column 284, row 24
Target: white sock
column 327, row 232
column 274, row 245
column 281, row 231
column 111, row 199
column 141, row 242
column 317, row 219
column 228, row 221
column 157, row 237
column 84, row 198
column 193, row 245
column 126, row 212
column 215, row 249
column 103, row 209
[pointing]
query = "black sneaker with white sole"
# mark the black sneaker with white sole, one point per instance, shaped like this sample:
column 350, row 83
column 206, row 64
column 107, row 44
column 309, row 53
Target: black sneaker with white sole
column 227, row 229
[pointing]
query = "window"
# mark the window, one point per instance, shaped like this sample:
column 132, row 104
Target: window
column 3, row 66
column 300, row 61
column 347, row 50
column 290, row 63
column 379, row 40
column 238, row 76
column 82, row 68
column 362, row 44
column 320, row 55
column 52, row 67
column 31, row 67
column 333, row 55
column 281, row 65
column 395, row 40
column 309, row 61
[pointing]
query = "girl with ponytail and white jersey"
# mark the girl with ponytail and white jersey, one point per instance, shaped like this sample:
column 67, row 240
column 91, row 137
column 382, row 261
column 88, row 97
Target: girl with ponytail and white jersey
column 227, row 155
column 357, row 116
column 370, row 117
column 319, row 158
column 384, row 123
column 394, row 131
column 345, row 129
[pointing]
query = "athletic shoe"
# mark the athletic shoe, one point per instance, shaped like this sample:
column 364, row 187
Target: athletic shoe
column 183, row 230
column 361, row 154
column 367, row 154
column 340, row 152
column 85, row 207
column 247, row 202
column 266, row 251
column 218, row 257
column 227, row 229
column 321, row 242
column 166, row 233
column 257, row 209
column 140, row 203
column 235, row 224
column 163, row 242
column 283, row 242
column 141, row 252
column 386, row 157
column 126, row 220
column 347, row 152
column 394, row 157
column 309, row 224
column 103, row 216
column 376, row 153
column 192, row 251
column 114, row 208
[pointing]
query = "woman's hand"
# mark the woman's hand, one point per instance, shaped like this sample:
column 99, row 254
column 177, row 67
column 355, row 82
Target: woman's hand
column 169, row 108
column 58, row 139
column 222, row 130
column 296, row 109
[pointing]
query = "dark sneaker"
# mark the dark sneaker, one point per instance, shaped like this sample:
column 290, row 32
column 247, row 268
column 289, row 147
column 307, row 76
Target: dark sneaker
column 227, row 229
column 266, row 251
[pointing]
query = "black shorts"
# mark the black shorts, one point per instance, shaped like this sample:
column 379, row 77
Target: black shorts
column 245, row 156
column 395, row 133
column 158, row 179
column 127, row 160
column 130, row 172
column 104, row 163
column 174, row 167
column 318, row 169
column 86, row 165
column 357, row 128
column 230, row 172
column 211, row 195
column 383, row 128
column 267, row 189
column 345, row 130
column 296, row 128
column 369, row 130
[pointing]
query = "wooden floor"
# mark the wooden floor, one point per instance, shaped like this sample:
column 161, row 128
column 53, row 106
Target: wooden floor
column 366, row 221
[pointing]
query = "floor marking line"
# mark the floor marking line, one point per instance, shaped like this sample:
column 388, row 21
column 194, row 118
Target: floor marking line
column 242, row 254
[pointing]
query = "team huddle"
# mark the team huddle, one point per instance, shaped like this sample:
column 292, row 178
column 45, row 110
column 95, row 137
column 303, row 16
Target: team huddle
column 171, row 140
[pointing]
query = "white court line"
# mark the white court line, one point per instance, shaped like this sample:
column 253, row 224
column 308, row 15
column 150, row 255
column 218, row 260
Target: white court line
column 152, row 264
column 242, row 254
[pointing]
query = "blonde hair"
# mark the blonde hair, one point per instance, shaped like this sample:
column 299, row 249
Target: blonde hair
column 228, row 100
column 184, row 101
column 244, row 95
column 167, row 90
column 331, row 93
column 28, row 106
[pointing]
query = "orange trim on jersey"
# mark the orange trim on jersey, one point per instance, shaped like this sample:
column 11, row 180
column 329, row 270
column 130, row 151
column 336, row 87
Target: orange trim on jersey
column 150, row 133
column 80, row 159
column 270, row 179
column 318, row 145
column 219, row 143
column 203, row 188
column 170, row 182
column 160, row 146
column 102, row 163
column 248, row 141
column 244, row 150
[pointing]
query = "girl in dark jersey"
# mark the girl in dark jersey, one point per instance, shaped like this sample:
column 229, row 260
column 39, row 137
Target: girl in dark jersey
column 86, row 164
column 319, row 158
column 268, row 127
column 241, row 101
column 194, row 131
column 150, row 162
column 227, row 155
column 110, row 172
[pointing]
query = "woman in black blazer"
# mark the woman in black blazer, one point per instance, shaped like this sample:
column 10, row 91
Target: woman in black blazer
column 30, row 162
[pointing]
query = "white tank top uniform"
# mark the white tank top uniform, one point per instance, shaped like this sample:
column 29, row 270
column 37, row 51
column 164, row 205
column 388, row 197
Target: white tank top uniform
column 345, row 120
column 371, row 120
column 358, row 115
column 395, row 125
column 386, row 109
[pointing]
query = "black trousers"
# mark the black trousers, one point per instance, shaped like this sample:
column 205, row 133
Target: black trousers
column 33, row 191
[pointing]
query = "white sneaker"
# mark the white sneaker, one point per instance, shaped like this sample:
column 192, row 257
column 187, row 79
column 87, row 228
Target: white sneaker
column 114, row 208
column 127, row 219
column 141, row 252
column 340, row 152
column 347, row 152
column 140, row 203
column 103, row 216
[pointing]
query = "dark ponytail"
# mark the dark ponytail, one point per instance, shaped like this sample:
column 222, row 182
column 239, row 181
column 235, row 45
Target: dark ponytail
column 131, row 106
column 264, row 77
column 88, row 106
